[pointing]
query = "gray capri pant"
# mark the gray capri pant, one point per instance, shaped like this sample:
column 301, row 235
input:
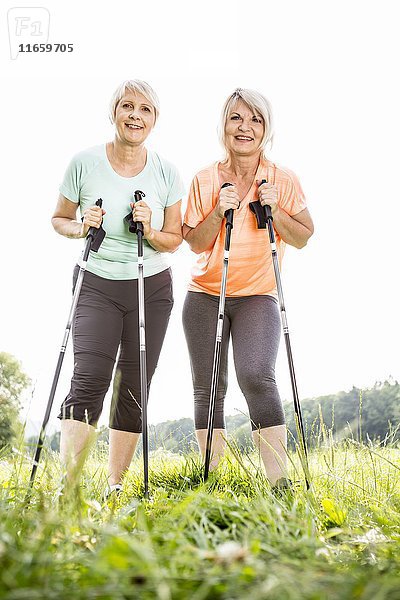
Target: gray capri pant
column 253, row 323
column 106, row 318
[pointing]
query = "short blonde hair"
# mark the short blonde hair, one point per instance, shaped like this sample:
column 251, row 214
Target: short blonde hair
column 139, row 87
column 258, row 104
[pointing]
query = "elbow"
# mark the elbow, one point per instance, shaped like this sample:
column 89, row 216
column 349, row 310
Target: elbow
column 191, row 242
column 194, row 247
column 302, row 243
column 173, row 243
column 177, row 244
column 193, row 239
column 195, row 242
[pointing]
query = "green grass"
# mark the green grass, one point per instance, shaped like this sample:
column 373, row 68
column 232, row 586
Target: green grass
column 230, row 538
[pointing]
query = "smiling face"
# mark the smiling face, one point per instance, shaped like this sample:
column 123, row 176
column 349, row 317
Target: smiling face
column 134, row 118
column 244, row 130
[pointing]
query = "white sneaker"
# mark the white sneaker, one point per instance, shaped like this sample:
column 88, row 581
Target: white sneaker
column 113, row 492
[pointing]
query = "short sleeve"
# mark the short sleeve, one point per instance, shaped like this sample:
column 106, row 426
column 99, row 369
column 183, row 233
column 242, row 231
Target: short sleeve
column 71, row 185
column 292, row 200
column 194, row 211
column 176, row 189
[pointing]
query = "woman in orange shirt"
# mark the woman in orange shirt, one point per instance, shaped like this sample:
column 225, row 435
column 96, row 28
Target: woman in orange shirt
column 251, row 310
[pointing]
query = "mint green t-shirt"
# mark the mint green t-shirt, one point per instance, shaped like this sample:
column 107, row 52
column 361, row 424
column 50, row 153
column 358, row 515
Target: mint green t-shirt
column 90, row 176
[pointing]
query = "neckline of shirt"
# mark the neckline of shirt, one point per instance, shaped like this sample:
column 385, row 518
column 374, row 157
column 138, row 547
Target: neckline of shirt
column 112, row 170
column 263, row 164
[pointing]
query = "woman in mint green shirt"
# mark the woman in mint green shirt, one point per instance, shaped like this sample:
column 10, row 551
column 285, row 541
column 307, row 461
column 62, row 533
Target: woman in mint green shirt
column 106, row 318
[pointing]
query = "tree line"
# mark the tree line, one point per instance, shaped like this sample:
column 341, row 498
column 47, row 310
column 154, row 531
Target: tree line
column 361, row 414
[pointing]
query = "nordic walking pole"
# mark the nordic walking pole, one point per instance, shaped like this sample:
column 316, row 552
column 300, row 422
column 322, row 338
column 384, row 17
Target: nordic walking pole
column 296, row 401
column 94, row 238
column 218, row 340
column 137, row 227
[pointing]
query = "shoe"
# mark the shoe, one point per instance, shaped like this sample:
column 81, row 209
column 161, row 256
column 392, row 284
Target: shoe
column 282, row 487
column 113, row 492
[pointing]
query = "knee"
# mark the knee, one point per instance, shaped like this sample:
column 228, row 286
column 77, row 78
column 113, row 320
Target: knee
column 266, row 411
column 92, row 371
column 89, row 388
column 255, row 381
column 262, row 396
column 89, row 384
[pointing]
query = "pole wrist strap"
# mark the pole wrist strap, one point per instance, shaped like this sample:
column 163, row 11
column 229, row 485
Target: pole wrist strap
column 259, row 212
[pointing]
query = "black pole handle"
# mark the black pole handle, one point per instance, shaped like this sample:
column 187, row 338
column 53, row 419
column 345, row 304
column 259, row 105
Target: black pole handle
column 92, row 230
column 229, row 212
column 138, row 195
column 267, row 208
column 94, row 236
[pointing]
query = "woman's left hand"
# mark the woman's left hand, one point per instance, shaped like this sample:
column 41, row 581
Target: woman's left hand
column 268, row 194
column 142, row 213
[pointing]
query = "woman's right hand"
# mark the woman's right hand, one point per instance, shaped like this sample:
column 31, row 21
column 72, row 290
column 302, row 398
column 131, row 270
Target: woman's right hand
column 228, row 198
column 92, row 217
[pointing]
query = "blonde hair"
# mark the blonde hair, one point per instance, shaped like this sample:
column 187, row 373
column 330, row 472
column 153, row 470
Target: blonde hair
column 258, row 104
column 139, row 87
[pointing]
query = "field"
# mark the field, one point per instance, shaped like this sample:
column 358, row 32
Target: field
column 227, row 539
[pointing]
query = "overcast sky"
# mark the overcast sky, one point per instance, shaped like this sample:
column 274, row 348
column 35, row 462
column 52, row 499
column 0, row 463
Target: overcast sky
column 330, row 70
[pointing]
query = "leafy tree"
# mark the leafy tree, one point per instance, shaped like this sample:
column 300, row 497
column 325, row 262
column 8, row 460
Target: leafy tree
column 13, row 381
column 361, row 414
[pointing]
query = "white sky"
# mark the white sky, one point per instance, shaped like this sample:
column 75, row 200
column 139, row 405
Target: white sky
column 330, row 70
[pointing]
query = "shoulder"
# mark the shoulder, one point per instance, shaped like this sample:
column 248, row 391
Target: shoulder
column 164, row 167
column 206, row 175
column 286, row 174
column 88, row 158
column 203, row 185
column 287, row 182
column 291, row 184
column 276, row 173
column 279, row 173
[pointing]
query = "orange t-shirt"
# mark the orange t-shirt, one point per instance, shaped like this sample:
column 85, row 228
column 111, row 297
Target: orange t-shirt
column 250, row 269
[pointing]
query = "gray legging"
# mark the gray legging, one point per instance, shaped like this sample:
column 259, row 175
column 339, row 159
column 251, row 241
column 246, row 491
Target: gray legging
column 253, row 322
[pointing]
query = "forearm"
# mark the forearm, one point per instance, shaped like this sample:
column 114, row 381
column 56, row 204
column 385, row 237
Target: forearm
column 163, row 241
column 203, row 236
column 291, row 231
column 67, row 227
